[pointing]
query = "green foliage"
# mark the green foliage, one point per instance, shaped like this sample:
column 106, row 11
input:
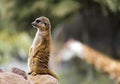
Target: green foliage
column 113, row 5
column 65, row 7
column 12, row 44
column 80, row 78
column 22, row 12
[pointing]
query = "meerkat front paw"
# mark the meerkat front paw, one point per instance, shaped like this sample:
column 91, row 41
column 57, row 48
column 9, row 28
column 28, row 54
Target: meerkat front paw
column 32, row 73
column 29, row 73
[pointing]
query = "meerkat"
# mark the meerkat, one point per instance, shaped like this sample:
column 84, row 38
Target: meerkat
column 39, row 52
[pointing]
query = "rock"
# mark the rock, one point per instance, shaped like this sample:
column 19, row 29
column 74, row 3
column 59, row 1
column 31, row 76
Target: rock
column 42, row 79
column 1, row 70
column 18, row 76
column 19, row 72
column 12, row 78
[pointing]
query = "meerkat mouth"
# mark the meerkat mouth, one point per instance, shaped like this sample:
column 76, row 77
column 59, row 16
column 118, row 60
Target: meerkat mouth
column 34, row 25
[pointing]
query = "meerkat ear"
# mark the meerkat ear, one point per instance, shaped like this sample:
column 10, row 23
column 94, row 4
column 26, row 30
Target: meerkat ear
column 47, row 25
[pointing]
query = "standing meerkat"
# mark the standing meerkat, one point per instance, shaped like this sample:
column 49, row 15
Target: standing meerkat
column 39, row 53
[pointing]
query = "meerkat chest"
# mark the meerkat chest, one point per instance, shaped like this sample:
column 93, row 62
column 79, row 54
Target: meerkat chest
column 36, row 40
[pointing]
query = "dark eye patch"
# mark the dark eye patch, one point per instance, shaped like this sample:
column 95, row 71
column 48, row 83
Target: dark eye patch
column 37, row 21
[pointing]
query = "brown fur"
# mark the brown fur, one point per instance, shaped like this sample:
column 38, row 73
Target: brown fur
column 102, row 62
column 93, row 57
column 40, row 50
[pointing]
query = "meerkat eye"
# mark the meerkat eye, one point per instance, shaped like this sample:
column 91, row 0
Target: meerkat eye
column 37, row 21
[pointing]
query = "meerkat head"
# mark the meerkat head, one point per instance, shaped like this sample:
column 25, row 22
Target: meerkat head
column 42, row 23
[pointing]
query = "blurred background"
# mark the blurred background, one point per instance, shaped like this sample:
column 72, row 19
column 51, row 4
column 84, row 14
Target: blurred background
column 93, row 22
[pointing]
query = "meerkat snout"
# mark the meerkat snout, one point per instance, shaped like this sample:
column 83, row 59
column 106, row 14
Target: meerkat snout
column 34, row 24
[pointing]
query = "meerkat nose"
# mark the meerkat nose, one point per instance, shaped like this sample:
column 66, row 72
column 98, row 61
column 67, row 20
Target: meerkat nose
column 32, row 23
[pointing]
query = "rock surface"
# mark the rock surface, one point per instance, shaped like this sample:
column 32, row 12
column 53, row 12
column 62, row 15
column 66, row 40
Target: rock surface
column 19, row 72
column 42, row 79
column 12, row 78
column 17, row 76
